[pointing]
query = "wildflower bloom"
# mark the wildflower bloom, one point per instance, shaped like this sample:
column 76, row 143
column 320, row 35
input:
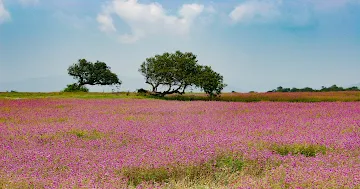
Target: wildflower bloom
column 56, row 143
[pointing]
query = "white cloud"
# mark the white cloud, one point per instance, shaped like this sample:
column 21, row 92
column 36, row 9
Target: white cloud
column 147, row 19
column 256, row 10
column 191, row 11
column 4, row 14
column 106, row 23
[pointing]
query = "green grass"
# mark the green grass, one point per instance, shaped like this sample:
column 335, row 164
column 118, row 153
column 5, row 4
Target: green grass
column 349, row 96
column 8, row 183
column 299, row 149
column 84, row 134
column 222, row 170
column 82, row 95
column 272, row 97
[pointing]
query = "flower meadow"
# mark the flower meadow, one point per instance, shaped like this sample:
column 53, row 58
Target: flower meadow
column 138, row 143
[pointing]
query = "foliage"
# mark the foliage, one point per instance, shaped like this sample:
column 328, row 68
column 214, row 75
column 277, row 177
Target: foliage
column 210, row 82
column 75, row 88
column 176, row 72
column 84, row 134
column 142, row 91
column 295, row 149
column 88, row 73
column 308, row 89
column 214, row 169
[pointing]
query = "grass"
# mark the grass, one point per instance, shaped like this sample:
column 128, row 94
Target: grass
column 348, row 96
column 84, row 134
column 295, row 149
column 9, row 183
column 82, row 95
column 220, row 171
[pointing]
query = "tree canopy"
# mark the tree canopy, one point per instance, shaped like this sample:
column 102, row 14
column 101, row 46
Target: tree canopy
column 212, row 83
column 176, row 72
column 88, row 73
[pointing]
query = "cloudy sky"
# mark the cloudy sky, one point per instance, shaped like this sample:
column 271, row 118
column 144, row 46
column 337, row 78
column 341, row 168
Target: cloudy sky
column 256, row 44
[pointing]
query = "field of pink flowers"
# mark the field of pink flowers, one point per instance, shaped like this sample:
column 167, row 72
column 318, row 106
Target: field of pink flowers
column 120, row 143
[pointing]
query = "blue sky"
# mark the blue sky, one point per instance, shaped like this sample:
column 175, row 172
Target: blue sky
column 255, row 44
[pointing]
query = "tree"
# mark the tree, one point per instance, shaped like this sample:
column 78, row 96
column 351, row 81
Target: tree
column 157, row 71
column 352, row 89
column 294, row 89
column 210, row 82
column 172, row 73
column 88, row 73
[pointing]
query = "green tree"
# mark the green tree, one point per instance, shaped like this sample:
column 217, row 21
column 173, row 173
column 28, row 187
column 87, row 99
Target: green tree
column 88, row 73
column 171, row 73
column 210, row 82
column 159, row 71
column 352, row 89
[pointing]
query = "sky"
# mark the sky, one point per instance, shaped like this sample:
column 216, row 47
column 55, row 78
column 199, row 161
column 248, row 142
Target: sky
column 257, row 45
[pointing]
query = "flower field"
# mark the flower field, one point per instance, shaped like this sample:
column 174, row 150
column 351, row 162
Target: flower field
column 142, row 143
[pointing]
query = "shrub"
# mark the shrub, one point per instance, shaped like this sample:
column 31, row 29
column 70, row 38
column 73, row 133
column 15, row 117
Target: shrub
column 142, row 90
column 75, row 88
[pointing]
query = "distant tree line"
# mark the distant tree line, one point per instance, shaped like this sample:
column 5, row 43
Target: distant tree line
column 308, row 89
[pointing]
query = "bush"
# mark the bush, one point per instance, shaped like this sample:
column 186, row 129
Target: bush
column 142, row 90
column 75, row 88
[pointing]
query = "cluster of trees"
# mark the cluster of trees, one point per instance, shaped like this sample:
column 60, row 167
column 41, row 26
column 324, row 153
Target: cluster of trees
column 308, row 89
column 168, row 73
column 171, row 73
